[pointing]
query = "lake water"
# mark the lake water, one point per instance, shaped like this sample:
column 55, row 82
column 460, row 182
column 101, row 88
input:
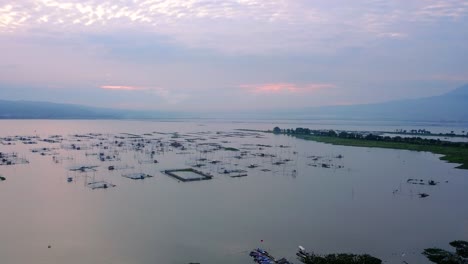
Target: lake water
column 359, row 201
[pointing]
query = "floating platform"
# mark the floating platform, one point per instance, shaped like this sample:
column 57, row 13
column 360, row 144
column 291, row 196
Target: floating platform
column 84, row 168
column 100, row 185
column 187, row 175
column 137, row 176
column 238, row 176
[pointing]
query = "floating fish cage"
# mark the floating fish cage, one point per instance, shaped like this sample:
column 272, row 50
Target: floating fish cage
column 187, row 175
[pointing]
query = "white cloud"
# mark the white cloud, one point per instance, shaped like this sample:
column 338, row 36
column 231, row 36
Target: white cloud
column 235, row 26
column 168, row 96
column 444, row 8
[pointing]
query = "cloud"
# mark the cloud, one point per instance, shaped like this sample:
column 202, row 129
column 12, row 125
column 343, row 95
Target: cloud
column 121, row 87
column 234, row 26
column 168, row 96
column 444, row 8
column 272, row 88
column 164, row 52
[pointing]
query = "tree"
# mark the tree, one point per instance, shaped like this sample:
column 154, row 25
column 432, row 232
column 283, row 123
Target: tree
column 441, row 256
column 343, row 134
column 277, row 130
column 339, row 259
column 332, row 133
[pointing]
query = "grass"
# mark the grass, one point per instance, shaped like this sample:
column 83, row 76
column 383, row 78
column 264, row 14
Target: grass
column 451, row 154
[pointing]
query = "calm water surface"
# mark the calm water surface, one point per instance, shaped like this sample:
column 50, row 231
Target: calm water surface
column 363, row 203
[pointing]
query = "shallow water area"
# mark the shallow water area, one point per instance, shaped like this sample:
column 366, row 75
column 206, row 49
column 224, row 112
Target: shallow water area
column 326, row 198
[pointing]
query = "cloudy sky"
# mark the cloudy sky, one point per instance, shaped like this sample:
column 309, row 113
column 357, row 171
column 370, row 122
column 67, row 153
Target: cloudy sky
column 203, row 55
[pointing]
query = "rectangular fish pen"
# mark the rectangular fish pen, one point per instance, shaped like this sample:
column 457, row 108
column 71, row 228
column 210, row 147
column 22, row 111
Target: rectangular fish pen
column 187, row 175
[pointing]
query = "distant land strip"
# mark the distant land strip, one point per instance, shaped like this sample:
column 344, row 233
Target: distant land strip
column 453, row 152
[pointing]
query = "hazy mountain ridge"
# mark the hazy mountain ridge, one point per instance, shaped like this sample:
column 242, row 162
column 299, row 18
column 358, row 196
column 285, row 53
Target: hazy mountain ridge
column 449, row 107
column 452, row 106
column 47, row 110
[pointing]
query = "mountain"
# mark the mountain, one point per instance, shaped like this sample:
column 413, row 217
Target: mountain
column 449, row 107
column 46, row 110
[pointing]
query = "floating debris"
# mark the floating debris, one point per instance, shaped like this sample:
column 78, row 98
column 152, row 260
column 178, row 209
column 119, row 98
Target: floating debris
column 238, row 175
column 423, row 195
column 100, row 185
column 231, row 149
column 108, row 157
column 137, row 176
column 58, row 159
column 11, row 159
column 45, row 151
column 74, row 147
column 84, row 168
column 176, row 144
column 422, row 182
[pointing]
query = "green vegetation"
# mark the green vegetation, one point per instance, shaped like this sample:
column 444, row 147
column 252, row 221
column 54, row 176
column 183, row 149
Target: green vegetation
column 2, row 178
column 435, row 255
column 453, row 152
column 441, row 256
column 340, row 259
column 416, row 132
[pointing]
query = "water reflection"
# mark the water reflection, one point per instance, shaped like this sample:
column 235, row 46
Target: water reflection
column 327, row 198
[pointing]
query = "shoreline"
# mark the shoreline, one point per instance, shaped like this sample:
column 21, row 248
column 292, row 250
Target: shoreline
column 456, row 153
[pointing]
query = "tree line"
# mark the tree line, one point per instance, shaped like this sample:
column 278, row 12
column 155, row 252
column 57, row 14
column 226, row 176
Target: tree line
column 368, row 136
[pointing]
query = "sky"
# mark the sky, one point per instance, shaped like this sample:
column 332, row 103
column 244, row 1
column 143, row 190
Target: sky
column 209, row 55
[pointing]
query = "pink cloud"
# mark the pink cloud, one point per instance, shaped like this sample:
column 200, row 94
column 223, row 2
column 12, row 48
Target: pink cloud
column 285, row 87
column 122, row 87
